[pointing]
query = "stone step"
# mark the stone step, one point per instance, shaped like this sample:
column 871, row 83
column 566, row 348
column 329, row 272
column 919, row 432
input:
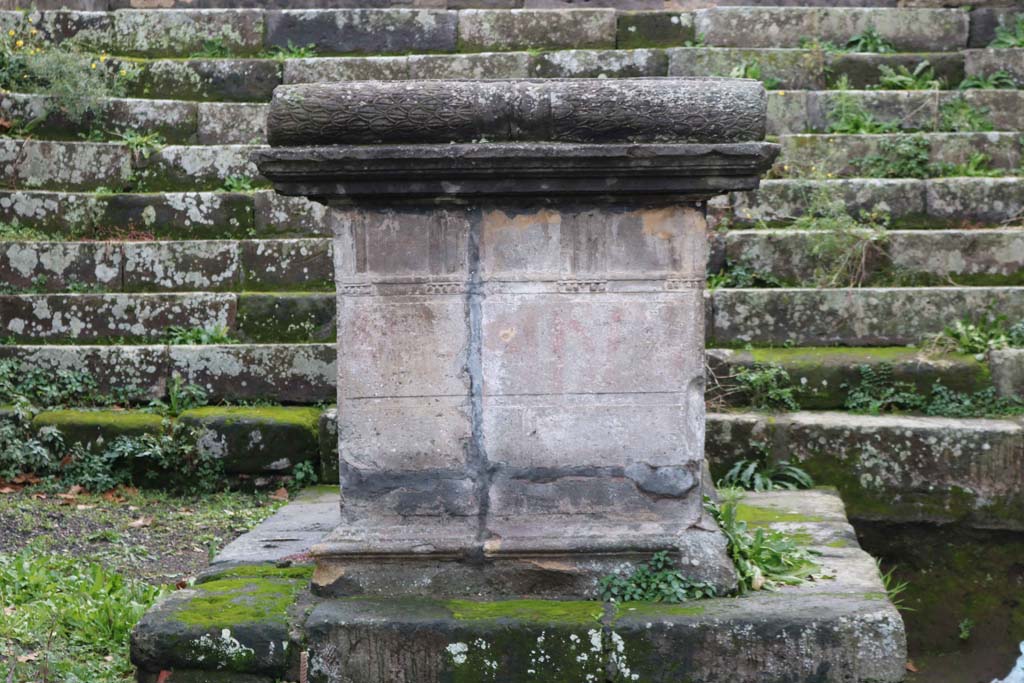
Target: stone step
column 984, row 63
column 207, row 265
column 735, row 317
column 107, row 5
column 891, row 468
column 818, row 156
column 283, row 373
column 241, row 32
column 962, row 202
column 242, row 123
column 921, row 257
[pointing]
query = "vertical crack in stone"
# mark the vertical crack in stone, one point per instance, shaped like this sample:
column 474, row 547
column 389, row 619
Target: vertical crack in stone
column 477, row 462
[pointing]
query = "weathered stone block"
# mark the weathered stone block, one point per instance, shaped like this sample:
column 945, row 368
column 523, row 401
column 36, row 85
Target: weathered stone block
column 301, row 373
column 208, row 265
column 482, row 30
column 964, row 202
column 478, row 65
column 296, row 318
column 98, row 428
column 59, row 266
column 176, row 33
column 787, row 112
column 195, row 167
column 177, row 215
column 38, row 164
column 599, row 64
column 364, row 31
column 908, row 109
column 101, row 316
column 330, row 69
column 850, row 317
column 142, row 369
column 654, row 29
column 257, row 440
column 287, row 264
column 863, row 68
column 790, row 68
column 228, row 123
column 225, row 80
column 278, row 216
column 1008, row 371
column 1004, row 108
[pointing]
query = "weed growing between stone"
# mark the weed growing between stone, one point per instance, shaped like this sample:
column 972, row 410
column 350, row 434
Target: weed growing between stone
column 766, row 386
column 752, row 69
column 1009, row 37
column 191, row 336
column 14, row 232
column 980, row 335
column 761, row 473
column 847, row 115
column 998, row 80
column 894, row 588
column 869, row 41
column 960, row 116
column 658, row 580
column 922, row 77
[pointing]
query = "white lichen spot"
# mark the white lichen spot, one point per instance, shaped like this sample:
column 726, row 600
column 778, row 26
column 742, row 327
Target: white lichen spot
column 458, row 653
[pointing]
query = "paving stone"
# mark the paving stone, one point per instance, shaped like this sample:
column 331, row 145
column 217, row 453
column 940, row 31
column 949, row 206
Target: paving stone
column 967, row 202
column 477, row 65
column 59, row 266
column 483, row 30
column 642, row 63
column 301, row 373
column 654, row 29
column 196, row 167
column 986, row 62
column 351, row 31
column 822, row 376
column 908, row 30
column 280, row 216
column 1008, row 371
column 849, row 317
column 779, row 201
column 253, row 441
column 902, row 468
column 330, row 69
column 296, row 264
column 40, row 164
column 863, row 69
column 227, row 80
column 297, row 318
column 226, row 123
column 208, row 265
column 791, row 68
column 87, row 317
column 144, row 369
column 175, row 33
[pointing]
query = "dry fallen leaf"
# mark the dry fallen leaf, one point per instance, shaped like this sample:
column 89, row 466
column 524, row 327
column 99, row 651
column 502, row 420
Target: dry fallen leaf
column 30, row 657
column 280, row 494
column 9, row 489
column 141, row 522
column 163, row 677
column 85, row 507
column 911, row 668
column 76, row 490
column 112, row 496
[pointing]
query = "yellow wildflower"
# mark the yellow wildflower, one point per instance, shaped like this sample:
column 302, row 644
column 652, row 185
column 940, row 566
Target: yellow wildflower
column 123, row 72
column 103, row 58
column 19, row 43
column 11, row 32
column 93, row 65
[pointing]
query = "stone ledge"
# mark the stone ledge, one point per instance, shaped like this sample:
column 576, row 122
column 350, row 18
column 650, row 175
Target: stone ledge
column 842, row 629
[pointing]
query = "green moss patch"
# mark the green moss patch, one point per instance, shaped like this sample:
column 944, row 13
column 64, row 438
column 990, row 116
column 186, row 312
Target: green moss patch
column 307, row 418
column 229, row 602
column 543, row 611
column 263, row 571
column 89, row 426
column 756, row 515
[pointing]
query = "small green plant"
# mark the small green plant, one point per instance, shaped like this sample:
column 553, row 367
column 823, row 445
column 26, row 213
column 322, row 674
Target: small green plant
column 809, row 43
column 15, row 232
column 180, row 397
column 878, row 392
column 894, row 588
column 979, row 165
column 741, row 276
column 999, row 80
column 214, row 48
column 900, row 156
column 659, row 580
column 171, row 460
column 965, row 628
column 764, row 559
column 752, row 69
column 699, row 41
column 761, row 473
column 304, row 475
column 292, row 51
column 959, row 116
column 976, row 336
column 945, row 402
column 870, row 40
column 922, row 77
column 141, row 144
column 194, row 336
column 1009, row 37
column 766, row 386
column 848, row 116
column 238, row 184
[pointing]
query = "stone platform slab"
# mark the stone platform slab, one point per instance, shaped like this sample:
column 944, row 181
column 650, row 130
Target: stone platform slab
column 267, row 626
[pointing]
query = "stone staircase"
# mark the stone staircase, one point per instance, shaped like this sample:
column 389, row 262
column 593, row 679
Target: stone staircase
column 132, row 238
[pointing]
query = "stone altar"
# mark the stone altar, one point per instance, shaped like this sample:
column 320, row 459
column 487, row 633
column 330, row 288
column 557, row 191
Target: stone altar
column 520, row 273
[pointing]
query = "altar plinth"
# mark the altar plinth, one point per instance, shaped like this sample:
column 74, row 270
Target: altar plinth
column 520, row 271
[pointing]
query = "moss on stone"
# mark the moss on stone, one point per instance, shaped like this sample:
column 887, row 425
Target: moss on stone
column 232, row 601
column 90, row 426
column 305, row 417
column 757, row 515
column 263, row 571
column 543, row 611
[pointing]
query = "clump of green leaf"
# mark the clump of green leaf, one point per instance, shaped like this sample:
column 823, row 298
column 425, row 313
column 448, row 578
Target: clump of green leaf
column 922, row 77
column 899, row 156
column 945, row 402
column 762, row 473
column 734, row 276
column 998, row 80
column 766, row 386
column 978, row 335
column 214, row 48
column 658, row 580
column 291, row 51
column 171, row 460
column 304, row 475
column 180, row 397
column 142, row 144
column 237, row 183
column 979, row 165
column 752, row 69
column 870, row 40
column 878, row 392
column 848, row 116
column 195, row 336
column 65, row 619
column 960, row 116
column 15, row 232
column 764, row 558
column 1009, row 37
column 894, row 588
